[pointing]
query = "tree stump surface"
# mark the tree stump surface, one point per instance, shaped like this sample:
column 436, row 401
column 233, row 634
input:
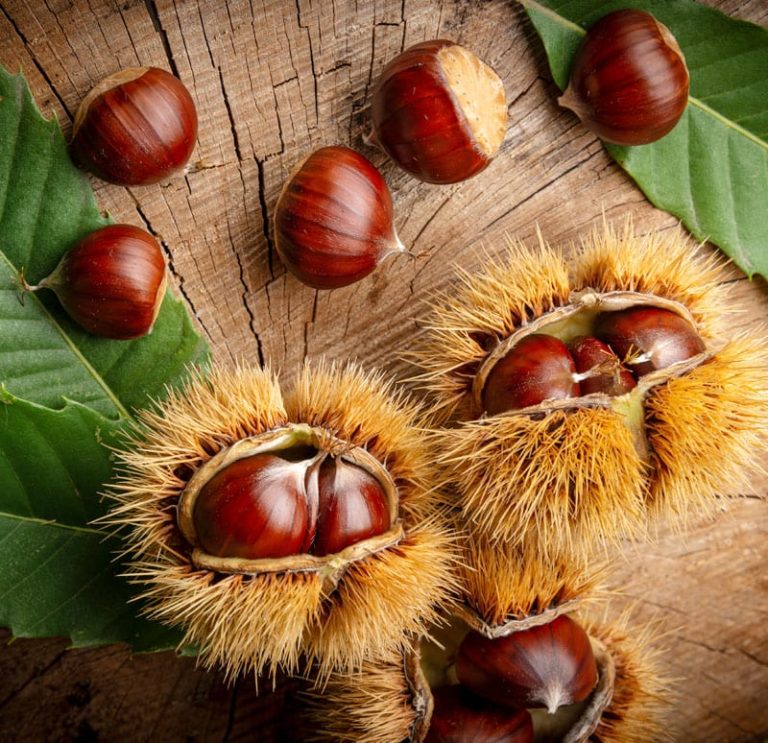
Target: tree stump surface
column 273, row 81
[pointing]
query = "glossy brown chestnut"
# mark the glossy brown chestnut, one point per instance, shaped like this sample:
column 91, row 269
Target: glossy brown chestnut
column 629, row 81
column 649, row 337
column 333, row 220
column 353, row 506
column 537, row 368
column 112, row 283
column 254, row 508
column 439, row 112
column 600, row 370
column 136, row 127
column 545, row 666
column 460, row 717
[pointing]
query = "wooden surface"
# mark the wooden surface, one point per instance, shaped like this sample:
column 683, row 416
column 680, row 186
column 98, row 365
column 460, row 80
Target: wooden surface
column 273, row 80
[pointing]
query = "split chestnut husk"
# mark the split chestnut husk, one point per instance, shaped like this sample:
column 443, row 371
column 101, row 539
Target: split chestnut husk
column 272, row 527
column 394, row 701
column 663, row 420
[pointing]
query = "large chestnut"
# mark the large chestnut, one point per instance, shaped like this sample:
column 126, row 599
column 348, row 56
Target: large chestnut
column 439, row 112
column 333, row 220
column 629, row 81
column 539, row 367
column 256, row 507
column 136, row 127
column 548, row 666
column 112, row 283
column 460, row 717
column 649, row 337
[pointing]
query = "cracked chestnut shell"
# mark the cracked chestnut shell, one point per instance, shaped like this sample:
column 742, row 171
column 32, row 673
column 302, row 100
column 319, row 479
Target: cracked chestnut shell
column 629, row 81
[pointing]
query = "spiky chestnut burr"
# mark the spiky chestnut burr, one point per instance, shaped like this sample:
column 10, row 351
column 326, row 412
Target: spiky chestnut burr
column 570, row 474
column 252, row 613
column 394, row 700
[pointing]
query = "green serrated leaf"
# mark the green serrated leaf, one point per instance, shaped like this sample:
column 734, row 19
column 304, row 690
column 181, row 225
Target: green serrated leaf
column 64, row 398
column 711, row 171
column 53, row 462
column 62, row 580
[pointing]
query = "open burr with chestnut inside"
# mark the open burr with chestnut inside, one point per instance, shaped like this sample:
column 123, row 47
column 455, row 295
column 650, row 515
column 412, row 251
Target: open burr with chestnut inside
column 570, row 679
column 579, row 400
column 276, row 529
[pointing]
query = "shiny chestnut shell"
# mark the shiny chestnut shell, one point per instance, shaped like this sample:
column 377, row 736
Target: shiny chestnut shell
column 333, row 220
column 112, row 282
column 539, row 367
column 439, row 112
column 629, row 81
column 548, row 665
column 254, row 508
column 661, row 337
column 460, row 717
column 136, row 127
column 352, row 507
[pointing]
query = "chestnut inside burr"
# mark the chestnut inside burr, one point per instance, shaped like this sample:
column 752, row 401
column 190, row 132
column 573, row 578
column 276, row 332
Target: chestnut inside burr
column 293, row 494
column 605, row 348
column 472, row 683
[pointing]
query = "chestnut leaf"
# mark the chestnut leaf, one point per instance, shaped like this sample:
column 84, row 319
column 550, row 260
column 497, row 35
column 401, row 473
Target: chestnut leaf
column 711, row 170
column 65, row 397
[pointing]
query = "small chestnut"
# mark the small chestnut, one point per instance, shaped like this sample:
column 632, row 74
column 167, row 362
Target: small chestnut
column 629, row 81
column 439, row 112
column 537, row 368
column 649, row 337
column 548, row 666
column 255, row 507
column 112, row 283
column 600, row 369
column 333, row 220
column 352, row 506
column 135, row 127
column 460, row 717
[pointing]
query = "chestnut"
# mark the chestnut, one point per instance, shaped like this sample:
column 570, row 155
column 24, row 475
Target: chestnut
column 600, row 369
column 293, row 501
column 333, row 220
column 255, row 507
column 352, row 506
column 460, row 717
column 135, row 127
column 629, row 81
column 112, row 283
column 649, row 338
column 537, row 368
column 548, row 665
column 439, row 112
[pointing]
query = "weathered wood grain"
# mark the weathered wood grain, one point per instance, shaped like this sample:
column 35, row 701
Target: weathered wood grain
column 272, row 81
